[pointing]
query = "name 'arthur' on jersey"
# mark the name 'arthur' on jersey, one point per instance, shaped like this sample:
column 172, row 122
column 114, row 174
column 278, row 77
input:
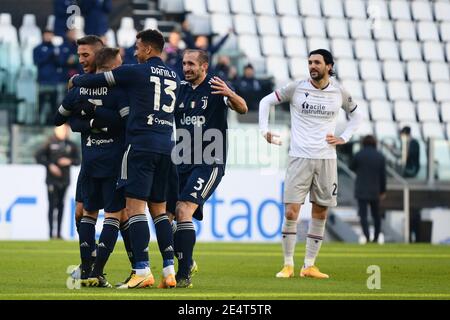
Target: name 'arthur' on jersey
column 204, row 116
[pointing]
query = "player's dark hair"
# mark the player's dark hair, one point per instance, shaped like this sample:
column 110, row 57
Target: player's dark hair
column 91, row 40
column 369, row 141
column 406, row 130
column 104, row 56
column 203, row 56
column 153, row 38
column 327, row 57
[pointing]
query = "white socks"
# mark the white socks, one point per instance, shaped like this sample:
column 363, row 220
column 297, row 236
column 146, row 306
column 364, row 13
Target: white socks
column 168, row 270
column 314, row 239
column 143, row 272
column 288, row 241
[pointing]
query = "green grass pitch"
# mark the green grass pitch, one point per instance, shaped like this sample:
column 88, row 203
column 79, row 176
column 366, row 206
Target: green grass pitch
column 36, row 270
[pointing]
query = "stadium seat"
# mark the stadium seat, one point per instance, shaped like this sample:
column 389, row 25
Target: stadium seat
column 377, row 9
column 230, row 47
column 355, row 9
column 333, row 8
column 404, row 111
column 427, row 111
column 405, row 30
column 360, row 29
column 438, row 71
column 347, row 69
column 268, row 25
column 278, row 68
column 8, row 33
column 291, row 26
column 421, row 91
column 381, row 110
column 126, row 34
column 241, row 6
column 364, row 129
column 287, row 7
column 199, row 24
column 375, row 89
column 447, row 50
column 400, row 10
column 30, row 35
column 433, row 51
column 244, row 24
column 342, row 48
column 447, row 130
column 111, row 38
column 386, row 130
column 445, row 112
column 398, row 90
column 295, row 47
column 410, row 50
column 314, row 27
column 387, row 50
column 363, row 108
column 171, row 6
column 337, row 28
column 383, row 30
column 442, row 11
column 299, row 68
column 272, row 46
column 150, row 23
column 445, row 31
column 249, row 45
column 50, row 25
column 365, row 49
column 263, row 7
column 432, row 130
column 354, row 87
column 442, row 91
column 310, row 8
column 427, row 31
column 416, row 71
column 221, row 23
column 318, row 43
column 215, row 6
column 393, row 70
column 370, row 69
column 421, row 10
column 195, row 6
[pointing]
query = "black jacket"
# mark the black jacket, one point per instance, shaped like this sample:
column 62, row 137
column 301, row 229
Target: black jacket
column 370, row 168
column 412, row 160
column 51, row 152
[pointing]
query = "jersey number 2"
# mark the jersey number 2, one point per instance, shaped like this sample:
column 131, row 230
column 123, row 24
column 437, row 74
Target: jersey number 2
column 171, row 86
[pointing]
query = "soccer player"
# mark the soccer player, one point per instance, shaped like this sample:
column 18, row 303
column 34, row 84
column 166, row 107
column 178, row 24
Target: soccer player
column 314, row 104
column 201, row 113
column 100, row 121
column 152, row 88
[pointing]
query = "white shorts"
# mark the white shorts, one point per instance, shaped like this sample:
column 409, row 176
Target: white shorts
column 317, row 176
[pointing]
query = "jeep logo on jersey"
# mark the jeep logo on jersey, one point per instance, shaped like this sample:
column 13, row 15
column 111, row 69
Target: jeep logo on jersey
column 194, row 120
column 97, row 142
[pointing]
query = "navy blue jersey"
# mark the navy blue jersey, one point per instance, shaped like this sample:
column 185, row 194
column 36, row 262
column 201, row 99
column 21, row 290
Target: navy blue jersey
column 200, row 109
column 102, row 149
column 153, row 89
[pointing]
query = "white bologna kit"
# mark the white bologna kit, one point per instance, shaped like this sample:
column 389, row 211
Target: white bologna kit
column 312, row 161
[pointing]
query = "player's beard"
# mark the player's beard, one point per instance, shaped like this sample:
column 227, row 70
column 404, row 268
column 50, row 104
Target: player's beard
column 319, row 75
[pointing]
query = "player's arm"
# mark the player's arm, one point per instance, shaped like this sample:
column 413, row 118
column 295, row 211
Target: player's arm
column 282, row 95
column 121, row 76
column 355, row 118
column 108, row 120
column 65, row 109
column 234, row 101
column 80, row 125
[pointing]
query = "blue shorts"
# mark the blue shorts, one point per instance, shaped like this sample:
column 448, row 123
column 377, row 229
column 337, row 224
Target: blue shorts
column 78, row 190
column 101, row 193
column 145, row 175
column 198, row 184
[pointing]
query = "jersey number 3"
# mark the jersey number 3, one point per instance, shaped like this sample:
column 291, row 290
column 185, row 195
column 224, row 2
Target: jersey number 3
column 171, row 86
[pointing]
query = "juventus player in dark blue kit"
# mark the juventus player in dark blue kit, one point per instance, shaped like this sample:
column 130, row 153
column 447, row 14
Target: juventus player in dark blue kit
column 152, row 88
column 98, row 113
column 201, row 114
